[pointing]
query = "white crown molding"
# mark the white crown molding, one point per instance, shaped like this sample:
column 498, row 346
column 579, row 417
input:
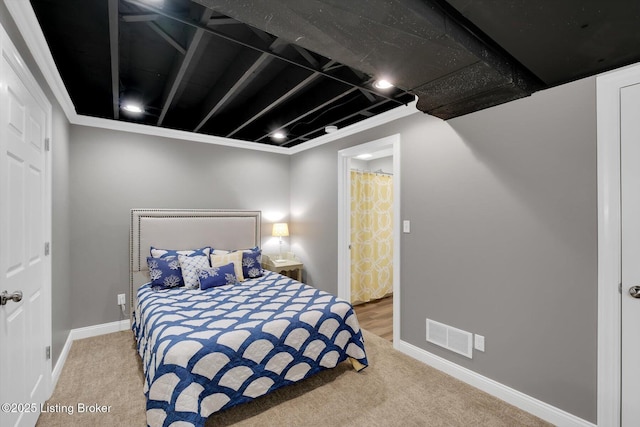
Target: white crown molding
column 174, row 133
column 370, row 123
column 25, row 19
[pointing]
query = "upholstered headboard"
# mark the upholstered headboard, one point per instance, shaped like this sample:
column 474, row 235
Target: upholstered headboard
column 187, row 229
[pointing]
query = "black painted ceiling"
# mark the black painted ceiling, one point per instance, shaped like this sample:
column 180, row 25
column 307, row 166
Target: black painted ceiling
column 244, row 69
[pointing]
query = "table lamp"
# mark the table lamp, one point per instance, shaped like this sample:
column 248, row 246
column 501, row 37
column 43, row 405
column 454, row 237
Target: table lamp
column 280, row 229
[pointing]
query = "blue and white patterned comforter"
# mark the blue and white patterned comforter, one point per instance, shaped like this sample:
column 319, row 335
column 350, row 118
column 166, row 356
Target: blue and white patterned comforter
column 205, row 351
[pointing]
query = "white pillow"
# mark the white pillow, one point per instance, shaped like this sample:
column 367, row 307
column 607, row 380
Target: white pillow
column 224, row 259
column 190, row 266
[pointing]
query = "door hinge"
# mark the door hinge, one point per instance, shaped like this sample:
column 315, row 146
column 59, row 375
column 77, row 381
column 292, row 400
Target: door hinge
column 47, row 352
column 47, row 249
column 47, row 144
column 620, row 287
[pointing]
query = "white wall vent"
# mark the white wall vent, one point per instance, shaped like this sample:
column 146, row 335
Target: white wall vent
column 451, row 338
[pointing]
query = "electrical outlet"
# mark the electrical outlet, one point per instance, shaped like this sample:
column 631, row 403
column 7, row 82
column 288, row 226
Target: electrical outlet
column 479, row 342
column 121, row 299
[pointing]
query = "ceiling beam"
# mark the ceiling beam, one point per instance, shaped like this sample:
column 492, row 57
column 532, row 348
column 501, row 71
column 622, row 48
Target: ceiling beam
column 311, row 111
column 140, row 17
column 251, row 73
column 222, row 21
column 115, row 57
column 275, row 103
column 181, row 67
column 166, row 37
column 282, row 98
column 306, row 55
column 365, row 112
column 204, row 27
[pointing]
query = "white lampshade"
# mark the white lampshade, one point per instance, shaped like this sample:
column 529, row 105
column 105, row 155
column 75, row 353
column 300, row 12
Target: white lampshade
column 280, row 229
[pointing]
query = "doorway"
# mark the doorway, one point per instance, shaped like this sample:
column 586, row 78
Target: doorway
column 618, row 106
column 385, row 154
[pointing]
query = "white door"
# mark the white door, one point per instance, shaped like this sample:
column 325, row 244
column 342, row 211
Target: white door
column 630, row 185
column 24, row 376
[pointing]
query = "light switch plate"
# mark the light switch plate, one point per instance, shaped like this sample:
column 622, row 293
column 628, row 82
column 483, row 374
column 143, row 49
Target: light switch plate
column 406, row 226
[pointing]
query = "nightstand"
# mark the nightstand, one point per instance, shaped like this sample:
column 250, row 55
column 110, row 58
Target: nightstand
column 290, row 266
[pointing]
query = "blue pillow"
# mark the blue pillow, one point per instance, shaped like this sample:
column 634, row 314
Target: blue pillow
column 217, row 276
column 251, row 263
column 165, row 272
column 161, row 253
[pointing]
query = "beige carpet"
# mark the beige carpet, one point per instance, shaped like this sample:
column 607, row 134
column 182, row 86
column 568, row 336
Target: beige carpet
column 395, row 390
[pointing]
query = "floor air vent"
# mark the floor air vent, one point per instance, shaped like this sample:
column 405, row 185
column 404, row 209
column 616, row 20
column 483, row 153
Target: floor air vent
column 451, row 338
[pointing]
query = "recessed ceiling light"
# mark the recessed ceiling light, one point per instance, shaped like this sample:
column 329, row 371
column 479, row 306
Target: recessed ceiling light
column 330, row 129
column 133, row 108
column 278, row 135
column 364, row 156
column 382, row 84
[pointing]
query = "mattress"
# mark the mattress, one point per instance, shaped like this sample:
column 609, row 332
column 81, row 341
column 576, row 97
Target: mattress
column 205, row 351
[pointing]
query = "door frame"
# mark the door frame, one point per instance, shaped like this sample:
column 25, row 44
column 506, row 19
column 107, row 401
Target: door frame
column 15, row 60
column 608, row 87
column 344, row 221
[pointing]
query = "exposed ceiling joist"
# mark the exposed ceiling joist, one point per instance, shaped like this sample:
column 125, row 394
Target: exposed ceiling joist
column 297, row 118
column 181, row 66
column 251, row 67
column 244, row 80
column 200, row 26
column 222, row 21
column 167, row 37
column 115, row 57
column 139, row 17
column 275, row 103
column 363, row 112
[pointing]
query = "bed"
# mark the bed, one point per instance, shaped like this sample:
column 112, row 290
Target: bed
column 208, row 350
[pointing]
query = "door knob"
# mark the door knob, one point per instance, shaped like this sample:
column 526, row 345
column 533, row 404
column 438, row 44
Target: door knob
column 634, row 291
column 15, row 297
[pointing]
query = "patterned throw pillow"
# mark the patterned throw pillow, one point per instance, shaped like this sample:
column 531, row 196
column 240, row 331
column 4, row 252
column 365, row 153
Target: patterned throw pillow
column 190, row 265
column 234, row 257
column 251, row 263
column 165, row 272
column 161, row 253
column 212, row 277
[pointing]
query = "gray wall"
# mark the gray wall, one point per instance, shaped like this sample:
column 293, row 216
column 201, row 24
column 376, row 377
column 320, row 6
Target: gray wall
column 503, row 238
column 384, row 163
column 60, row 286
column 112, row 172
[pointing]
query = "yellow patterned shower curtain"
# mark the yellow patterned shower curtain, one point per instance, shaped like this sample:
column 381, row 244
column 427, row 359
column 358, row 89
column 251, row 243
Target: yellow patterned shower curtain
column 371, row 236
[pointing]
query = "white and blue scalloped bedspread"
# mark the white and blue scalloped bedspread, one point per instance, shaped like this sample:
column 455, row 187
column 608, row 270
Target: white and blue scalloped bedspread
column 205, row 351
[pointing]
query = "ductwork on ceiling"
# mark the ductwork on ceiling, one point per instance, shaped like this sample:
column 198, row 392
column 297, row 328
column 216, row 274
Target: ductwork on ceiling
column 417, row 44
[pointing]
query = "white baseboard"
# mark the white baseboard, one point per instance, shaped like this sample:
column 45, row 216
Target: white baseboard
column 95, row 330
column 55, row 375
column 518, row 399
column 80, row 333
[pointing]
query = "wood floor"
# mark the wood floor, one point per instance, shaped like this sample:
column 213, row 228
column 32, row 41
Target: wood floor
column 377, row 317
